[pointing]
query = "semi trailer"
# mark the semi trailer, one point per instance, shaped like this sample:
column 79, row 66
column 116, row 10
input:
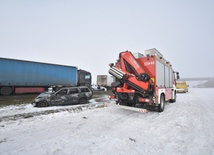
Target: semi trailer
column 20, row 76
column 105, row 81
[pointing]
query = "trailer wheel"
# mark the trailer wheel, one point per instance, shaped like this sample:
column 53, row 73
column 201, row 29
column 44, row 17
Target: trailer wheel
column 82, row 101
column 6, row 90
column 42, row 103
column 162, row 103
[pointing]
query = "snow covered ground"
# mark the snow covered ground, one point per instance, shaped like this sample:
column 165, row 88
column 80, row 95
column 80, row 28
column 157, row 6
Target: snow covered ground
column 184, row 128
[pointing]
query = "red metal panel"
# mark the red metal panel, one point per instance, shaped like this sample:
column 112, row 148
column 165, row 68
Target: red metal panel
column 124, row 90
column 21, row 90
column 168, row 94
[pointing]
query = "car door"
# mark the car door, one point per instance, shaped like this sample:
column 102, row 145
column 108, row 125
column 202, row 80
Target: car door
column 60, row 97
column 73, row 95
column 87, row 92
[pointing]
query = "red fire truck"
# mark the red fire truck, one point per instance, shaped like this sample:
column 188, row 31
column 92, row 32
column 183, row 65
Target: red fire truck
column 146, row 80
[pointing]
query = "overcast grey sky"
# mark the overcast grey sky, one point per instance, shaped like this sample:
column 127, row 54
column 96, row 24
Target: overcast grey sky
column 90, row 34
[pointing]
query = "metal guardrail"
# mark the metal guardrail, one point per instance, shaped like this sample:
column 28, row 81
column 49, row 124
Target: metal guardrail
column 196, row 79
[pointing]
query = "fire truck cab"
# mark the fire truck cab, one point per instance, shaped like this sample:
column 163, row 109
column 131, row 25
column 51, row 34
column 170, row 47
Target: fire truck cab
column 148, row 80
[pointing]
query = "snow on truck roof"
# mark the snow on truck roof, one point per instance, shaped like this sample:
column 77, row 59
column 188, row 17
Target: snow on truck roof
column 152, row 52
column 148, row 52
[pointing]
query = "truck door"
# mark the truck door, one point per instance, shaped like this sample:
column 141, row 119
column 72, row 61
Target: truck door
column 84, row 78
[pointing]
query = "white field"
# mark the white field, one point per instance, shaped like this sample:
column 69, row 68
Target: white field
column 184, row 128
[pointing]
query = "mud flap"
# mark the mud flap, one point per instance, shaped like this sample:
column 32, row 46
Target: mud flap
column 141, row 110
column 152, row 108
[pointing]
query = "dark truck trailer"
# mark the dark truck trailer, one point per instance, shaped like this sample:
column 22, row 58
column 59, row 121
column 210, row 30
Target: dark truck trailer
column 19, row 76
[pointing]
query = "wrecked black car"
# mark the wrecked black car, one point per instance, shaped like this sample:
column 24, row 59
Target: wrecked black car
column 64, row 96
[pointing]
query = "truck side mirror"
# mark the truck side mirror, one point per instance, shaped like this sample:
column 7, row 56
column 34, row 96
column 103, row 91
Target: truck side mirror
column 177, row 73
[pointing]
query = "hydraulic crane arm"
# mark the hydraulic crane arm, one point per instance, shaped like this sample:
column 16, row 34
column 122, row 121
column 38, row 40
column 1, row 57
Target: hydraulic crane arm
column 131, row 73
column 129, row 63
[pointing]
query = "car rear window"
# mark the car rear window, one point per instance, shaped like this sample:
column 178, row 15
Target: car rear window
column 181, row 84
column 73, row 90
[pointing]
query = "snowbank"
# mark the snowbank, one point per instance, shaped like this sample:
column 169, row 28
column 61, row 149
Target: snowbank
column 185, row 127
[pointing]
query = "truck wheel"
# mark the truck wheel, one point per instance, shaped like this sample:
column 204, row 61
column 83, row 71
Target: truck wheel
column 42, row 103
column 6, row 90
column 82, row 101
column 162, row 104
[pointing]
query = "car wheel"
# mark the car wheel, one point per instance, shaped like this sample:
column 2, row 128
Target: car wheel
column 42, row 103
column 82, row 101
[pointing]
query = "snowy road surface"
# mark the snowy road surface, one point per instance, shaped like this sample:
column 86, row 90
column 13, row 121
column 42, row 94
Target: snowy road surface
column 184, row 128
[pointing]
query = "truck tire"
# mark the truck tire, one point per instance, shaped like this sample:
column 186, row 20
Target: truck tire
column 6, row 90
column 83, row 101
column 162, row 103
column 42, row 103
